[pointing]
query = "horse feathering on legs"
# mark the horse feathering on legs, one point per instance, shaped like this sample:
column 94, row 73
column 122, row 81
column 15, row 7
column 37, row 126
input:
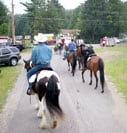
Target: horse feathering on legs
column 46, row 84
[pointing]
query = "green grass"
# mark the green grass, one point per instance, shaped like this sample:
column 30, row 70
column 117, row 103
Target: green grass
column 115, row 67
column 8, row 77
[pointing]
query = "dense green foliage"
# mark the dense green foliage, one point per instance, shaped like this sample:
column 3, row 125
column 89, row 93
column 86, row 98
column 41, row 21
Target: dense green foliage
column 3, row 20
column 102, row 17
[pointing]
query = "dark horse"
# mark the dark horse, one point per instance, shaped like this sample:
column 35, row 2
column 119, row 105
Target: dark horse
column 72, row 61
column 46, row 86
column 94, row 64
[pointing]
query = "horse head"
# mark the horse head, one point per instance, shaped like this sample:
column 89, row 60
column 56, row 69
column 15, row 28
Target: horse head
column 28, row 64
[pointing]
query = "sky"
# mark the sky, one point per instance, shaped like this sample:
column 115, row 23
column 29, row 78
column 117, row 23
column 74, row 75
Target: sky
column 19, row 9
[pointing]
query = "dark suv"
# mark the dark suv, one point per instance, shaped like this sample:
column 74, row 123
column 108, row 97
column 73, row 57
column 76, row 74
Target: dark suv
column 9, row 55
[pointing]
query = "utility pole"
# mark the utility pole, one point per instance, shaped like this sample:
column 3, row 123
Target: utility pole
column 12, row 23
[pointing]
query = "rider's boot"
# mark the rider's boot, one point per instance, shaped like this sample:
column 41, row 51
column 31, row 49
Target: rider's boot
column 29, row 92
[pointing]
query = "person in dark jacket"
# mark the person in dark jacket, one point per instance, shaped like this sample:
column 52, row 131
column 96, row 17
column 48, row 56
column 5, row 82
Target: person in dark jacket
column 87, row 51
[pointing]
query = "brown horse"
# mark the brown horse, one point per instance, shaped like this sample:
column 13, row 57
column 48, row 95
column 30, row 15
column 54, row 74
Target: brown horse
column 94, row 64
column 72, row 61
column 79, row 57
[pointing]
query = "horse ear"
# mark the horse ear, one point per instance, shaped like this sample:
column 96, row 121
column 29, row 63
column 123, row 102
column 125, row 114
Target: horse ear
column 24, row 61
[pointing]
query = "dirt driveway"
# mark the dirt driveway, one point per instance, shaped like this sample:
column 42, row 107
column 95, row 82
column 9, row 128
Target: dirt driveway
column 86, row 110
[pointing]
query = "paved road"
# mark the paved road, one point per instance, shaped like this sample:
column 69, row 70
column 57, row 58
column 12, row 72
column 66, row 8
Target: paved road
column 86, row 110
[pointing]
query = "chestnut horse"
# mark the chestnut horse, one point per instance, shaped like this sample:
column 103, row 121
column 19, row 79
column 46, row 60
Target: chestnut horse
column 94, row 64
column 46, row 86
column 72, row 61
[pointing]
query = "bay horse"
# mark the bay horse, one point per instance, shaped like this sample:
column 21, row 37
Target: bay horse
column 94, row 64
column 46, row 86
column 72, row 62
column 79, row 57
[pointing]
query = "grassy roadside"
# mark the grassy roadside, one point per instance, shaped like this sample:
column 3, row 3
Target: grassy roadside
column 115, row 59
column 8, row 77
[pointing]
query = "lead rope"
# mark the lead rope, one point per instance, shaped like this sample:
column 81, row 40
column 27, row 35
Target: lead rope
column 30, row 99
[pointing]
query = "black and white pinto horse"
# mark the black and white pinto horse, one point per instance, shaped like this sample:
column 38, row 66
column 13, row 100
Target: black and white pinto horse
column 46, row 86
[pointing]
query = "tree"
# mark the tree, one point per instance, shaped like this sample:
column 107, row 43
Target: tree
column 45, row 16
column 100, row 18
column 3, row 19
column 93, row 19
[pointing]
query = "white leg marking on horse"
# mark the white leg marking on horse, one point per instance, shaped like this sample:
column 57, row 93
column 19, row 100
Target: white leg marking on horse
column 43, row 123
column 37, row 102
column 53, row 122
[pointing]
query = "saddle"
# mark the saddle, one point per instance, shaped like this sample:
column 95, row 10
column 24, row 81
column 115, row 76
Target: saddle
column 47, row 68
column 91, row 55
column 42, row 74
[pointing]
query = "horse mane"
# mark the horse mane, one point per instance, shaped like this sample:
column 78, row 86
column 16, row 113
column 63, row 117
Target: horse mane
column 52, row 96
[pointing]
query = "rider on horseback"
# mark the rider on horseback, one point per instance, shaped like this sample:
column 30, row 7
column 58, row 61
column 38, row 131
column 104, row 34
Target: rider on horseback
column 71, row 48
column 41, row 57
column 87, row 51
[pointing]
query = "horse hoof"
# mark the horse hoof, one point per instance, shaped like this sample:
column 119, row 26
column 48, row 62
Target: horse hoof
column 54, row 124
column 39, row 115
column 36, row 107
column 44, row 126
column 102, row 91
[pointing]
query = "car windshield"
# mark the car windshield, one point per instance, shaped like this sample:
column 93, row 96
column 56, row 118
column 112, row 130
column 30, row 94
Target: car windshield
column 14, row 49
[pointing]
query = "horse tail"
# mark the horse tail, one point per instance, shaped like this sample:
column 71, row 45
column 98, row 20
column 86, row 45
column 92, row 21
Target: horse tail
column 74, row 61
column 101, row 69
column 52, row 97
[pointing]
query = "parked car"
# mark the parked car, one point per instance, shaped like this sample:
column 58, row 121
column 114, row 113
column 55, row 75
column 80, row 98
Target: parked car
column 9, row 55
column 19, row 46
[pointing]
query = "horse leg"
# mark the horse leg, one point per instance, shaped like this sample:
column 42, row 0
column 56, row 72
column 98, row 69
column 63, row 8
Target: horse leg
column 53, row 121
column 68, row 66
column 90, row 83
column 42, row 112
column 83, row 75
column 95, row 74
column 79, row 63
column 72, row 70
column 37, row 103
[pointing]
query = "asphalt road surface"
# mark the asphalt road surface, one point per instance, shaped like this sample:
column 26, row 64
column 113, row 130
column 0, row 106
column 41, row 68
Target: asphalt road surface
column 86, row 110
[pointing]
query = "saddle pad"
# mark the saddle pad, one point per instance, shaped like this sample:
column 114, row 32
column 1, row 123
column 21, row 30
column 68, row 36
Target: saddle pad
column 42, row 74
column 88, row 58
